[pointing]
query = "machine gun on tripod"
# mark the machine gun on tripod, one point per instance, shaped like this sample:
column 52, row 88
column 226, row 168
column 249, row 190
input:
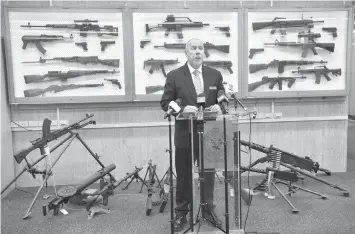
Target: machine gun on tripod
column 304, row 166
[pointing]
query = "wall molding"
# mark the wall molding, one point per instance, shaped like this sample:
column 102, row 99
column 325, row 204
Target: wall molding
column 164, row 124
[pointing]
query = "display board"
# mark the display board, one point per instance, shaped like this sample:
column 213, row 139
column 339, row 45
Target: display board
column 58, row 56
column 159, row 46
column 297, row 53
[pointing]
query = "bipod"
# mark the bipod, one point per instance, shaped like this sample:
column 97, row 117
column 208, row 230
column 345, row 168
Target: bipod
column 149, row 168
column 137, row 177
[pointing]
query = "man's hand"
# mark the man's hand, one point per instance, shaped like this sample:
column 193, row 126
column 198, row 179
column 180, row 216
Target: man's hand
column 216, row 108
column 190, row 109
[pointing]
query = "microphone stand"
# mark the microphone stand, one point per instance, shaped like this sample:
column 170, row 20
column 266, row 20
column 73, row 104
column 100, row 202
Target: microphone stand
column 171, row 179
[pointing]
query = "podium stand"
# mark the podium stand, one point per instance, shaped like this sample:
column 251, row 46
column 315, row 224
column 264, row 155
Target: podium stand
column 218, row 140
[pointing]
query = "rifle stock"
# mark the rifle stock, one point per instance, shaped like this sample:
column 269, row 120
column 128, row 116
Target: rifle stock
column 327, row 46
column 253, row 86
column 260, row 25
column 257, row 67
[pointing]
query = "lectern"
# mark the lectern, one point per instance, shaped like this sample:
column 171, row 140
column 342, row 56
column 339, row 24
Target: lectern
column 218, row 140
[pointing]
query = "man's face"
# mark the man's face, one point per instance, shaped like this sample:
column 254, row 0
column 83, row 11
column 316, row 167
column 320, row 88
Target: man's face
column 194, row 53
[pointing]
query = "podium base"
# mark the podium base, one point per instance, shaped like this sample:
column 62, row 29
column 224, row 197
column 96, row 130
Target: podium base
column 240, row 231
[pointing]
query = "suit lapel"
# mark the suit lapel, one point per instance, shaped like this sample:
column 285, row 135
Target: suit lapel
column 188, row 82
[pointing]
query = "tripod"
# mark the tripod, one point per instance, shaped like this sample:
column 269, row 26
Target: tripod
column 137, row 177
column 204, row 208
column 275, row 176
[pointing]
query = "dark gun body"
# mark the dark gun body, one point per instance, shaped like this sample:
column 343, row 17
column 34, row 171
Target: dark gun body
column 225, row 64
column 171, row 24
column 159, row 63
column 305, row 46
column 37, row 39
column 55, row 203
column 333, row 30
column 82, row 60
column 63, row 76
column 207, row 46
column 280, row 64
column 278, row 22
column 104, row 44
column 48, row 136
column 115, row 81
column 273, row 81
column 252, row 51
column 56, row 89
column 225, row 29
column 84, row 28
column 153, row 89
column 319, row 71
column 309, row 35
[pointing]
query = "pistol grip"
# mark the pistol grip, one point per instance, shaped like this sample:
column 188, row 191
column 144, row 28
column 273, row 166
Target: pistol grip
column 207, row 53
column 317, row 78
column 251, row 55
column 24, row 45
column 230, row 70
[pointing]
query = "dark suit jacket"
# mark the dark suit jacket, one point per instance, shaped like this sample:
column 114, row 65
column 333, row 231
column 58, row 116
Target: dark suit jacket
column 179, row 84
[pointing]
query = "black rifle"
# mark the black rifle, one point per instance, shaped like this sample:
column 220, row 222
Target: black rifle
column 253, row 51
column 49, row 136
column 333, row 30
column 273, row 81
column 143, row 43
column 81, row 59
column 115, row 81
column 171, row 24
column 309, row 35
column 225, row 29
column 104, row 44
column 83, row 45
column 159, row 63
column 305, row 46
column 83, row 28
column 153, row 89
column 207, row 46
column 56, row 89
column 63, row 76
column 225, row 64
column 319, row 71
column 37, row 39
column 280, row 64
column 150, row 182
column 277, row 22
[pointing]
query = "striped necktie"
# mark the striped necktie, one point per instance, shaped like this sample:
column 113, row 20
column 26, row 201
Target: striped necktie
column 197, row 82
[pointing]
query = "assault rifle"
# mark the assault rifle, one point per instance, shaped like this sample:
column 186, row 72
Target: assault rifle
column 171, row 24
column 63, row 76
column 56, row 89
column 277, row 22
column 319, row 71
column 49, row 136
column 273, row 81
column 37, row 39
column 225, row 29
column 81, row 59
column 83, row 28
column 153, row 89
column 253, row 51
column 305, row 46
column 333, row 30
column 159, row 63
column 225, row 64
column 207, row 46
column 280, row 64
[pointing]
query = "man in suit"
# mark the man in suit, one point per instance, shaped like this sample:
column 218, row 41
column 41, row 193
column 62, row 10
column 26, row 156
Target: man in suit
column 187, row 82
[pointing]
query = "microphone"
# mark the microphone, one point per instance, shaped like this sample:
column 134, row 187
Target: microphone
column 174, row 106
column 201, row 101
column 222, row 101
column 236, row 99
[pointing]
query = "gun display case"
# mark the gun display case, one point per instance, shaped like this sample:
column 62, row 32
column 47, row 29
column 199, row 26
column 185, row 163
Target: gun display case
column 159, row 46
column 297, row 53
column 61, row 56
